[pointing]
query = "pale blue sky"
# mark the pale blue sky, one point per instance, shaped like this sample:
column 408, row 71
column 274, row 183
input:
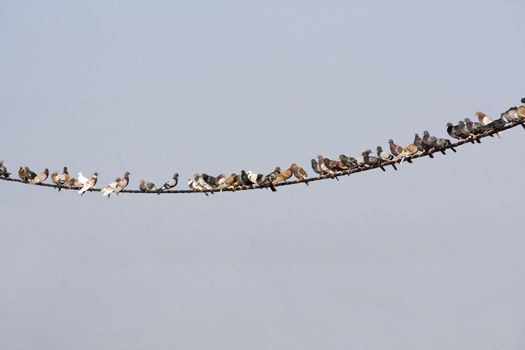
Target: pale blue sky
column 428, row 257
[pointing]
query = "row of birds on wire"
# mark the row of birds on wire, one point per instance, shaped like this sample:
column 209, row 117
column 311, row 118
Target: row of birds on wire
column 465, row 130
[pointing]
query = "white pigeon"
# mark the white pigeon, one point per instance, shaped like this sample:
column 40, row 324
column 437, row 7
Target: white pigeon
column 252, row 176
column 89, row 184
column 109, row 189
column 485, row 120
column 82, row 179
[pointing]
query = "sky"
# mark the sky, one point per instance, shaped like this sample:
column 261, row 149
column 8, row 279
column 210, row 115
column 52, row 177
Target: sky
column 426, row 257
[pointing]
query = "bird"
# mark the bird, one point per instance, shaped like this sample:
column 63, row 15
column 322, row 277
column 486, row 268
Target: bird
column 22, row 174
column 211, row 181
column 474, row 128
column 428, row 143
column 252, row 177
column 442, row 143
column 221, row 182
column 122, row 184
column 327, row 167
column 372, row 161
column 455, row 132
column 408, row 151
column 231, row 181
column 110, row 188
column 245, row 179
column 54, row 179
column 41, row 177
column 316, row 168
column 147, row 187
column 385, row 156
column 63, row 179
column 463, row 129
column 510, row 115
column 520, row 112
column 396, row 149
column 485, row 120
column 273, row 175
column 264, row 181
column 168, row 185
column 348, row 162
column 423, row 147
column 283, row 176
column 299, row 173
column 194, row 185
column 89, row 184
column 3, row 171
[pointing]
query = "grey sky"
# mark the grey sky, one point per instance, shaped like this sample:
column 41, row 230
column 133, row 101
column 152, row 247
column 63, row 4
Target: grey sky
column 429, row 257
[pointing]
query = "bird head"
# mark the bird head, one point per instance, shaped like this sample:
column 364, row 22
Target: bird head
column 379, row 149
column 449, row 125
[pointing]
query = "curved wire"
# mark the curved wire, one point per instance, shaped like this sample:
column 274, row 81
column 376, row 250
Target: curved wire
column 296, row 182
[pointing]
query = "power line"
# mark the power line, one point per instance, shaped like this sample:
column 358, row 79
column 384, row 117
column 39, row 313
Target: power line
column 297, row 182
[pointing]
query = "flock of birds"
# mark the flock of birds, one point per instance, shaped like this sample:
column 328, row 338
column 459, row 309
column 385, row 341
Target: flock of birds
column 465, row 130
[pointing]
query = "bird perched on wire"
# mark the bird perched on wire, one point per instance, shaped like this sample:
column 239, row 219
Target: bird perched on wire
column 510, row 115
column 442, row 143
column 327, row 166
column 168, row 185
column 147, row 187
column 245, row 179
column 385, row 156
column 3, row 171
column 63, row 179
column 429, row 143
column 485, row 121
column 54, row 178
column 273, row 175
column 371, row 161
column 110, row 188
column 462, row 127
column 41, row 177
column 474, row 128
column 264, row 181
column 407, row 152
column 419, row 143
column 348, row 163
column 396, row 150
column 123, row 183
column 316, row 168
column 221, row 182
column 299, row 173
column 284, row 175
column 22, row 174
column 211, row 181
column 89, row 184
column 455, row 132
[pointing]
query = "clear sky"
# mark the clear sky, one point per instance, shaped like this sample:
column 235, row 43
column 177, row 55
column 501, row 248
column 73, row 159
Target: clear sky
column 429, row 257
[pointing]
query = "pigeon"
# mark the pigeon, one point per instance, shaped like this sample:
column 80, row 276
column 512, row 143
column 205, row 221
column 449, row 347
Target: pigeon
column 3, row 171
column 168, row 185
column 201, row 184
column 326, row 166
column 348, row 162
column 252, row 177
column 211, row 181
column 474, row 128
column 485, row 120
column 316, row 168
column 385, row 156
column 455, row 132
column 419, row 143
column 123, row 183
column 408, row 151
column 299, row 173
column 22, row 174
column 510, row 115
column 89, row 184
column 264, row 181
column 396, row 149
column 283, row 176
column 441, row 143
column 109, row 189
column 372, row 161
column 463, row 129
column 273, row 175
column 231, row 181
column 54, row 179
column 63, row 179
column 147, row 187
column 221, row 182
column 41, row 177
column 245, row 179
column 428, row 143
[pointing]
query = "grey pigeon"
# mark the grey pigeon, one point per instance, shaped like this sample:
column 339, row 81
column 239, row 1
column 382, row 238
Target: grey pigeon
column 372, row 161
column 385, row 156
column 315, row 167
column 264, row 181
column 441, row 143
column 348, row 162
column 147, row 186
column 462, row 127
column 171, row 183
column 273, row 175
column 427, row 143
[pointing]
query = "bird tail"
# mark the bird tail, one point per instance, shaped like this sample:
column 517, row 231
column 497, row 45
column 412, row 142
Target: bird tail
column 499, row 135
